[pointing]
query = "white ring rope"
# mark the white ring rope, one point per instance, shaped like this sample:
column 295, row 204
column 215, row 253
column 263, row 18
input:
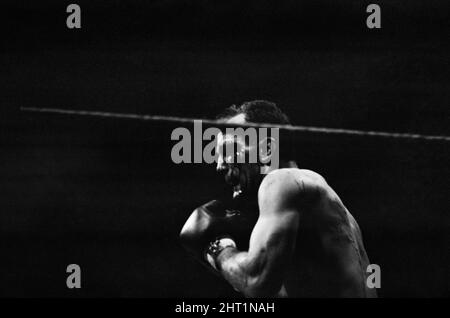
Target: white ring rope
column 183, row 120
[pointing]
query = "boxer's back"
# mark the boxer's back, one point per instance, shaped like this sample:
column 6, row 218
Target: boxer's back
column 329, row 258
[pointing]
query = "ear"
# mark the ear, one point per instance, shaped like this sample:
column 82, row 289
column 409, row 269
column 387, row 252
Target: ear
column 265, row 149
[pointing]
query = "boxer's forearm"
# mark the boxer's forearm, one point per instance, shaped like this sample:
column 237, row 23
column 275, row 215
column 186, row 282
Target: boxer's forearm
column 245, row 274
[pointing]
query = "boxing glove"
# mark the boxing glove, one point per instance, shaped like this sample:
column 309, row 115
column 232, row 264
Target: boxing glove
column 213, row 220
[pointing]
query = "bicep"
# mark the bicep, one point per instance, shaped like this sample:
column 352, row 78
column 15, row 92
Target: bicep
column 273, row 238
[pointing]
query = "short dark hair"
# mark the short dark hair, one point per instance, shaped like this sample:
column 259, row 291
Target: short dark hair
column 257, row 111
column 264, row 112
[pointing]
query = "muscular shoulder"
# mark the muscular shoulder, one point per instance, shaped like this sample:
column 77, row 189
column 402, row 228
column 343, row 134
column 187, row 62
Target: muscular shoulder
column 292, row 180
column 299, row 189
column 286, row 186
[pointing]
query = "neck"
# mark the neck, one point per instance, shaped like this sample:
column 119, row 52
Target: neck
column 283, row 164
column 288, row 164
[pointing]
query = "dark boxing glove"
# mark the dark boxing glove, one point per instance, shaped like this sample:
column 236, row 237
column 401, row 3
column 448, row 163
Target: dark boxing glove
column 214, row 220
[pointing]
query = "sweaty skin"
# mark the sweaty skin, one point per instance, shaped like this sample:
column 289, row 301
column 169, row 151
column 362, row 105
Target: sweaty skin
column 305, row 243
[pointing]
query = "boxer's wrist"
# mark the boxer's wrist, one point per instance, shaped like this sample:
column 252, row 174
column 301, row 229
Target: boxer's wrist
column 216, row 248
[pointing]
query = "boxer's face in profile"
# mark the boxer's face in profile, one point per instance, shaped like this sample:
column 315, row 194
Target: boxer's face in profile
column 243, row 175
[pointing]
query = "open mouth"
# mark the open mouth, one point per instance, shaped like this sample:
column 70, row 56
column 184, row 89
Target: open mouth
column 233, row 179
column 237, row 190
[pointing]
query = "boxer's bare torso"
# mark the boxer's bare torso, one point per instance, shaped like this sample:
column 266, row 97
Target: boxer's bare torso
column 304, row 243
column 328, row 257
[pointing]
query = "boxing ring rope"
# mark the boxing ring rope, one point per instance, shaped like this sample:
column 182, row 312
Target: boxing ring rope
column 184, row 120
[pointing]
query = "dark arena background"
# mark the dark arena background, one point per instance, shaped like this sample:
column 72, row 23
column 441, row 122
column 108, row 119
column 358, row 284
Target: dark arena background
column 104, row 193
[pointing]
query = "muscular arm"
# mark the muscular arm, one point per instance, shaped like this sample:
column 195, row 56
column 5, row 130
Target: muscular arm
column 259, row 271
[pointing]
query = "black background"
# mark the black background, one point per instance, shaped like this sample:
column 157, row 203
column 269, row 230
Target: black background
column 104, row 193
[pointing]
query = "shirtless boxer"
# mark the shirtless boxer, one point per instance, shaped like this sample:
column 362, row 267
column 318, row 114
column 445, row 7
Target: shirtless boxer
column 302, row 242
